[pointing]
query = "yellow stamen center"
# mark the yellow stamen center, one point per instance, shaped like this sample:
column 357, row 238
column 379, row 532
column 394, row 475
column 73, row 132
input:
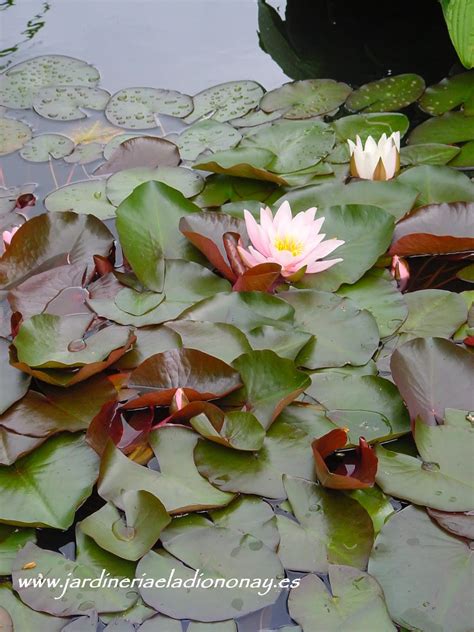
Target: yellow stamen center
column 289, row 243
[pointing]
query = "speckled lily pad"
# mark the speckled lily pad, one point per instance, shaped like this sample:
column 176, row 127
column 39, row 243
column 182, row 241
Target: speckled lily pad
column 20, row 83
column 45, row 146
column 85, row 153
column 13, row 135
column 66, row 103
column 135, row 108
column 206, row 135
column 449, row 94
column 121, row 184
column 226, row 101
column 256, row 117
column 387, row 95
column 304, row 99
column 87, row 197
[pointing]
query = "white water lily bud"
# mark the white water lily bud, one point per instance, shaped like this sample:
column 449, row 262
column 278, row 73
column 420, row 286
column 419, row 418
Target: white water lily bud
column 375, row 160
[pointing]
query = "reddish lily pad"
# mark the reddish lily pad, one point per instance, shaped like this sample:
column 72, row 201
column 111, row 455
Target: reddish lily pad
column 141, row 151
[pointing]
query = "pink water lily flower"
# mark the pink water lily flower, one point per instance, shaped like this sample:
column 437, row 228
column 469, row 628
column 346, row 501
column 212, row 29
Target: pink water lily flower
column 292, row 242
column 7, row 235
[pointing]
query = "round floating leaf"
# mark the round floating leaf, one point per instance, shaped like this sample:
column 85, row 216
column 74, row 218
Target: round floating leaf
column 67, row 103
column 13, row 135
column 133, row 536
column 20, row 83
column 85, row 153
column 406, row 560
column 23, row 617
column 137, row 303
column 203, row 135
column 46, row 146
column 427, row 154
column 150, row 340
column 14, row 383
column 136, row 108
column 87, row 197
column 381, row 298
column 286, row 450
column 365, row 125
column 206, row 548
column 51, row 564
column 453, row 127
column 255, row 117
column 449, row 94
column 12, row 540
column 433, row 313
column 438, row 184
column 178, row 485
column 331, row 528
column 356, row 602
column 30, row 486
column 305, row 99
column 433, row 374
column 465, row 158
column 387, row 95
column 391, row 195
column 147, row 152
column 344, row 333
column 226, row 101
column 243, row 162
column 46, row 241
column 118, row 139
column 121, row 184
column 222, row 626
column 435, row 229
column 296, row 144
column 237, row 429
column 249, row 514
column 367, row 405
column 459, row 523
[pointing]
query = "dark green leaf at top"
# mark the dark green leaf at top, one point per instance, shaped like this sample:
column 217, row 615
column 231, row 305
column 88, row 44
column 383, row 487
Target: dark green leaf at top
column 386, row 95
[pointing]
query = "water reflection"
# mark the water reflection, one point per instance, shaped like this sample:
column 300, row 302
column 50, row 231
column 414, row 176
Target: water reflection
column 33, row 26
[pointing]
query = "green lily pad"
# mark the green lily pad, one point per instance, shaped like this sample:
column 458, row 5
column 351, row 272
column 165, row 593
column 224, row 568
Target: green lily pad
column 67, row 103
column 31, row 498
column 427, row 154
column 355, row 602
column 344, row 333
column 305, row 99
column 278, row 340
column 13, row 135
column 236, row 429
column 85, row 153
column 450, row 93
column 150, row 340
column 243, row 162
column 161, row 623
column 375, row 502
column 460, row 22
column 133, row 536
column 20, row 83
column 433, row 313
column 286, row 450
column 47, row 341
column 14, row 383
column 391, row 195
column 386, row 95
column 23, row 617
column 438, row 184
column 46, row 146
column 256, row 117
column 380, row 296
column 365, row 125
column 450, row 128
column 137, row 108
column 406, row 560
column 296, row 144
column 137, row 303
column 442, row 477
column 270, row 383
column 178, row 485
column 226, row 101
column 204, row 548
column 73, row 602
column 465, row 158
column 222, row 626
column 87, row 197
column 121, row 184
column 12, row 539
column 203, row 135
column 331, row 528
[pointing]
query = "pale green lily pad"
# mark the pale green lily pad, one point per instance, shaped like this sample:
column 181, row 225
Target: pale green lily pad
column 427, row 154
column 237, row 429
column 87, row 197
column 118, row 140
column 425, row 573
column 46, row 146
column 296, row 144
column 442, row 477
column 85, row 153
column 331, row 528
column 122, row 183
column 386, row 95
column 433, row 313
column 371, row 124
column 161, row 623
column 137, row 303
column 221, row 626
column 20, row 83
column 178, row 485
column 355, row 602
column 305, row 99
column 438, row 184
column 256, row 117
column 13, row 135
column 249, row 514
column 452, row 127
column 67, row 103
column 465, row 158
column 243, row 162
column 135, row 534
column 449, row 94
column 203, row 135
column 136, row 108
column 23, row 617
column 226, row 101
column 12, row 539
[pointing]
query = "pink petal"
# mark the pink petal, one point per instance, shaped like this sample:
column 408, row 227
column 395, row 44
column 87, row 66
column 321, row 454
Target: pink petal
column 255, row 233
column 247, row 258
column 327, row 247
column 283, row 217
column 320, row 266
